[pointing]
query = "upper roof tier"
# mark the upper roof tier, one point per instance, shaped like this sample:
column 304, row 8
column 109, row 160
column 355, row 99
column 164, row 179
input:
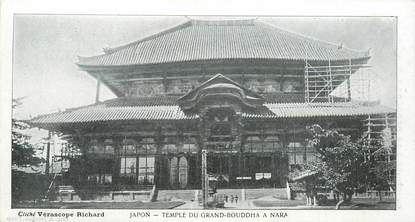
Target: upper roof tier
column 197, row 40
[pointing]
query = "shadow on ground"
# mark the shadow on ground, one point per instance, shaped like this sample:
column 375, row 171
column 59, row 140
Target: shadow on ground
column 355, row 204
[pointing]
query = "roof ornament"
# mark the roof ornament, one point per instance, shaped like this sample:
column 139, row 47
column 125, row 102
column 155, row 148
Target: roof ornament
column 188, row 17
column 107, row 50
column 340, row 46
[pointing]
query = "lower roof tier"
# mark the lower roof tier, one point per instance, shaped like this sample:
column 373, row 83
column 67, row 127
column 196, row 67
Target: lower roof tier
column 132, row 109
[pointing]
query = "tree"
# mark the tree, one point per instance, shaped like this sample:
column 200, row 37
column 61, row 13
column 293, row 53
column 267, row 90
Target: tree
column 23, row 152
column 23, row 155
column 381, row 162
column 343, row 164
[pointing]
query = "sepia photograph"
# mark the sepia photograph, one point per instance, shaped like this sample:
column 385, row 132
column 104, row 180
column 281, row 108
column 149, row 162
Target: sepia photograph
column 204, row 112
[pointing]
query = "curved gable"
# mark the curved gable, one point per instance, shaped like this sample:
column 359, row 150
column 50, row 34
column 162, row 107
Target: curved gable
column 219, row 90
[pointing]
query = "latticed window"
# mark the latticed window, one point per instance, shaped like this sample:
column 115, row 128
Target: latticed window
column 301, row 152
column 99, row 178
column 295, row 153
column 178, row 172
column 174, row 171
column 128, row 166
column 146, row 170
column 183, row 169
column 142, row 166
column 256, row 144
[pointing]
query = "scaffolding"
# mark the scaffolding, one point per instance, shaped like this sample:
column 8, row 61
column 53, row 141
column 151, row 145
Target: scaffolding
column 380, row 138
column 333, row 83
column 62, row 151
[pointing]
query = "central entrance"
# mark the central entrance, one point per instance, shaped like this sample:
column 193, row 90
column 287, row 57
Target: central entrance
column 221, row 169
column 238, row 170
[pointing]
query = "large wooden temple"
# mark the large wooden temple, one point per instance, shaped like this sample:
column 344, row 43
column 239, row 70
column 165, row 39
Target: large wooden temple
column 243, row 90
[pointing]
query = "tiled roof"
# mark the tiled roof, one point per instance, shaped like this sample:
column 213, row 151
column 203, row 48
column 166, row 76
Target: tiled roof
column 172, row 100
column 104, row 113
column 141, row 101
column 304, row 110
column 213, row 40
column 284, row 98
column 110, row 112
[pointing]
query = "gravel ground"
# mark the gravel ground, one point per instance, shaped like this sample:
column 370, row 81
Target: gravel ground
column 101, row 205
column 355, row 204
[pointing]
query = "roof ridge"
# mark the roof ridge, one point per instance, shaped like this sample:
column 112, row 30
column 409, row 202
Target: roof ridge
column 309, row 38
column 133, row 107
column 342, row 104
column 227, row 22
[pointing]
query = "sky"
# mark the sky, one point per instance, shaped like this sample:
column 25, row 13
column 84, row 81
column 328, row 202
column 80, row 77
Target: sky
column 46, row 49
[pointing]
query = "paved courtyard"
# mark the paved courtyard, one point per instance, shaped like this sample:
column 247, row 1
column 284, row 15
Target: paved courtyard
column 273, row 203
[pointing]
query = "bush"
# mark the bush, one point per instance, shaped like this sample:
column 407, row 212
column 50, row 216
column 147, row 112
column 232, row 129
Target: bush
column 27, row 186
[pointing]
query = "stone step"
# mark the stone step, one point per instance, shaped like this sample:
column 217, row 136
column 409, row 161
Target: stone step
column 190, row 195
column 280, row 193
column 186, row 195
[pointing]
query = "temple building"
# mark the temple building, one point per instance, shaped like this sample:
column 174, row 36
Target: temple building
column 243, row 90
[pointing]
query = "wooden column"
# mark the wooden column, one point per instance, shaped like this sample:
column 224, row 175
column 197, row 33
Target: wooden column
column 274, row 171
column 82, row 143
column 48, row 154
column 205, row 182
column 157, row 159
column 230, row 169
column 201, row 145
column 240, row 167
column 198, row 163
column 349, row 95
column 118, row 146
column 285, row 157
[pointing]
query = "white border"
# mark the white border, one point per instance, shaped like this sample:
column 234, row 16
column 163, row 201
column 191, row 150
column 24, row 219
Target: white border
column 403, row 9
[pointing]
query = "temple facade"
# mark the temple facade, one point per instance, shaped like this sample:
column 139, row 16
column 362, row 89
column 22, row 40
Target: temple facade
column 244, row 91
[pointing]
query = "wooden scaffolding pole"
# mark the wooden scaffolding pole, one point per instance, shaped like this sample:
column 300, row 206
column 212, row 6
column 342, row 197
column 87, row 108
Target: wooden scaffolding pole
column 349, row 94
column 47, row 167
column 307, row 86
column 330, row 98
column 98, row 90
